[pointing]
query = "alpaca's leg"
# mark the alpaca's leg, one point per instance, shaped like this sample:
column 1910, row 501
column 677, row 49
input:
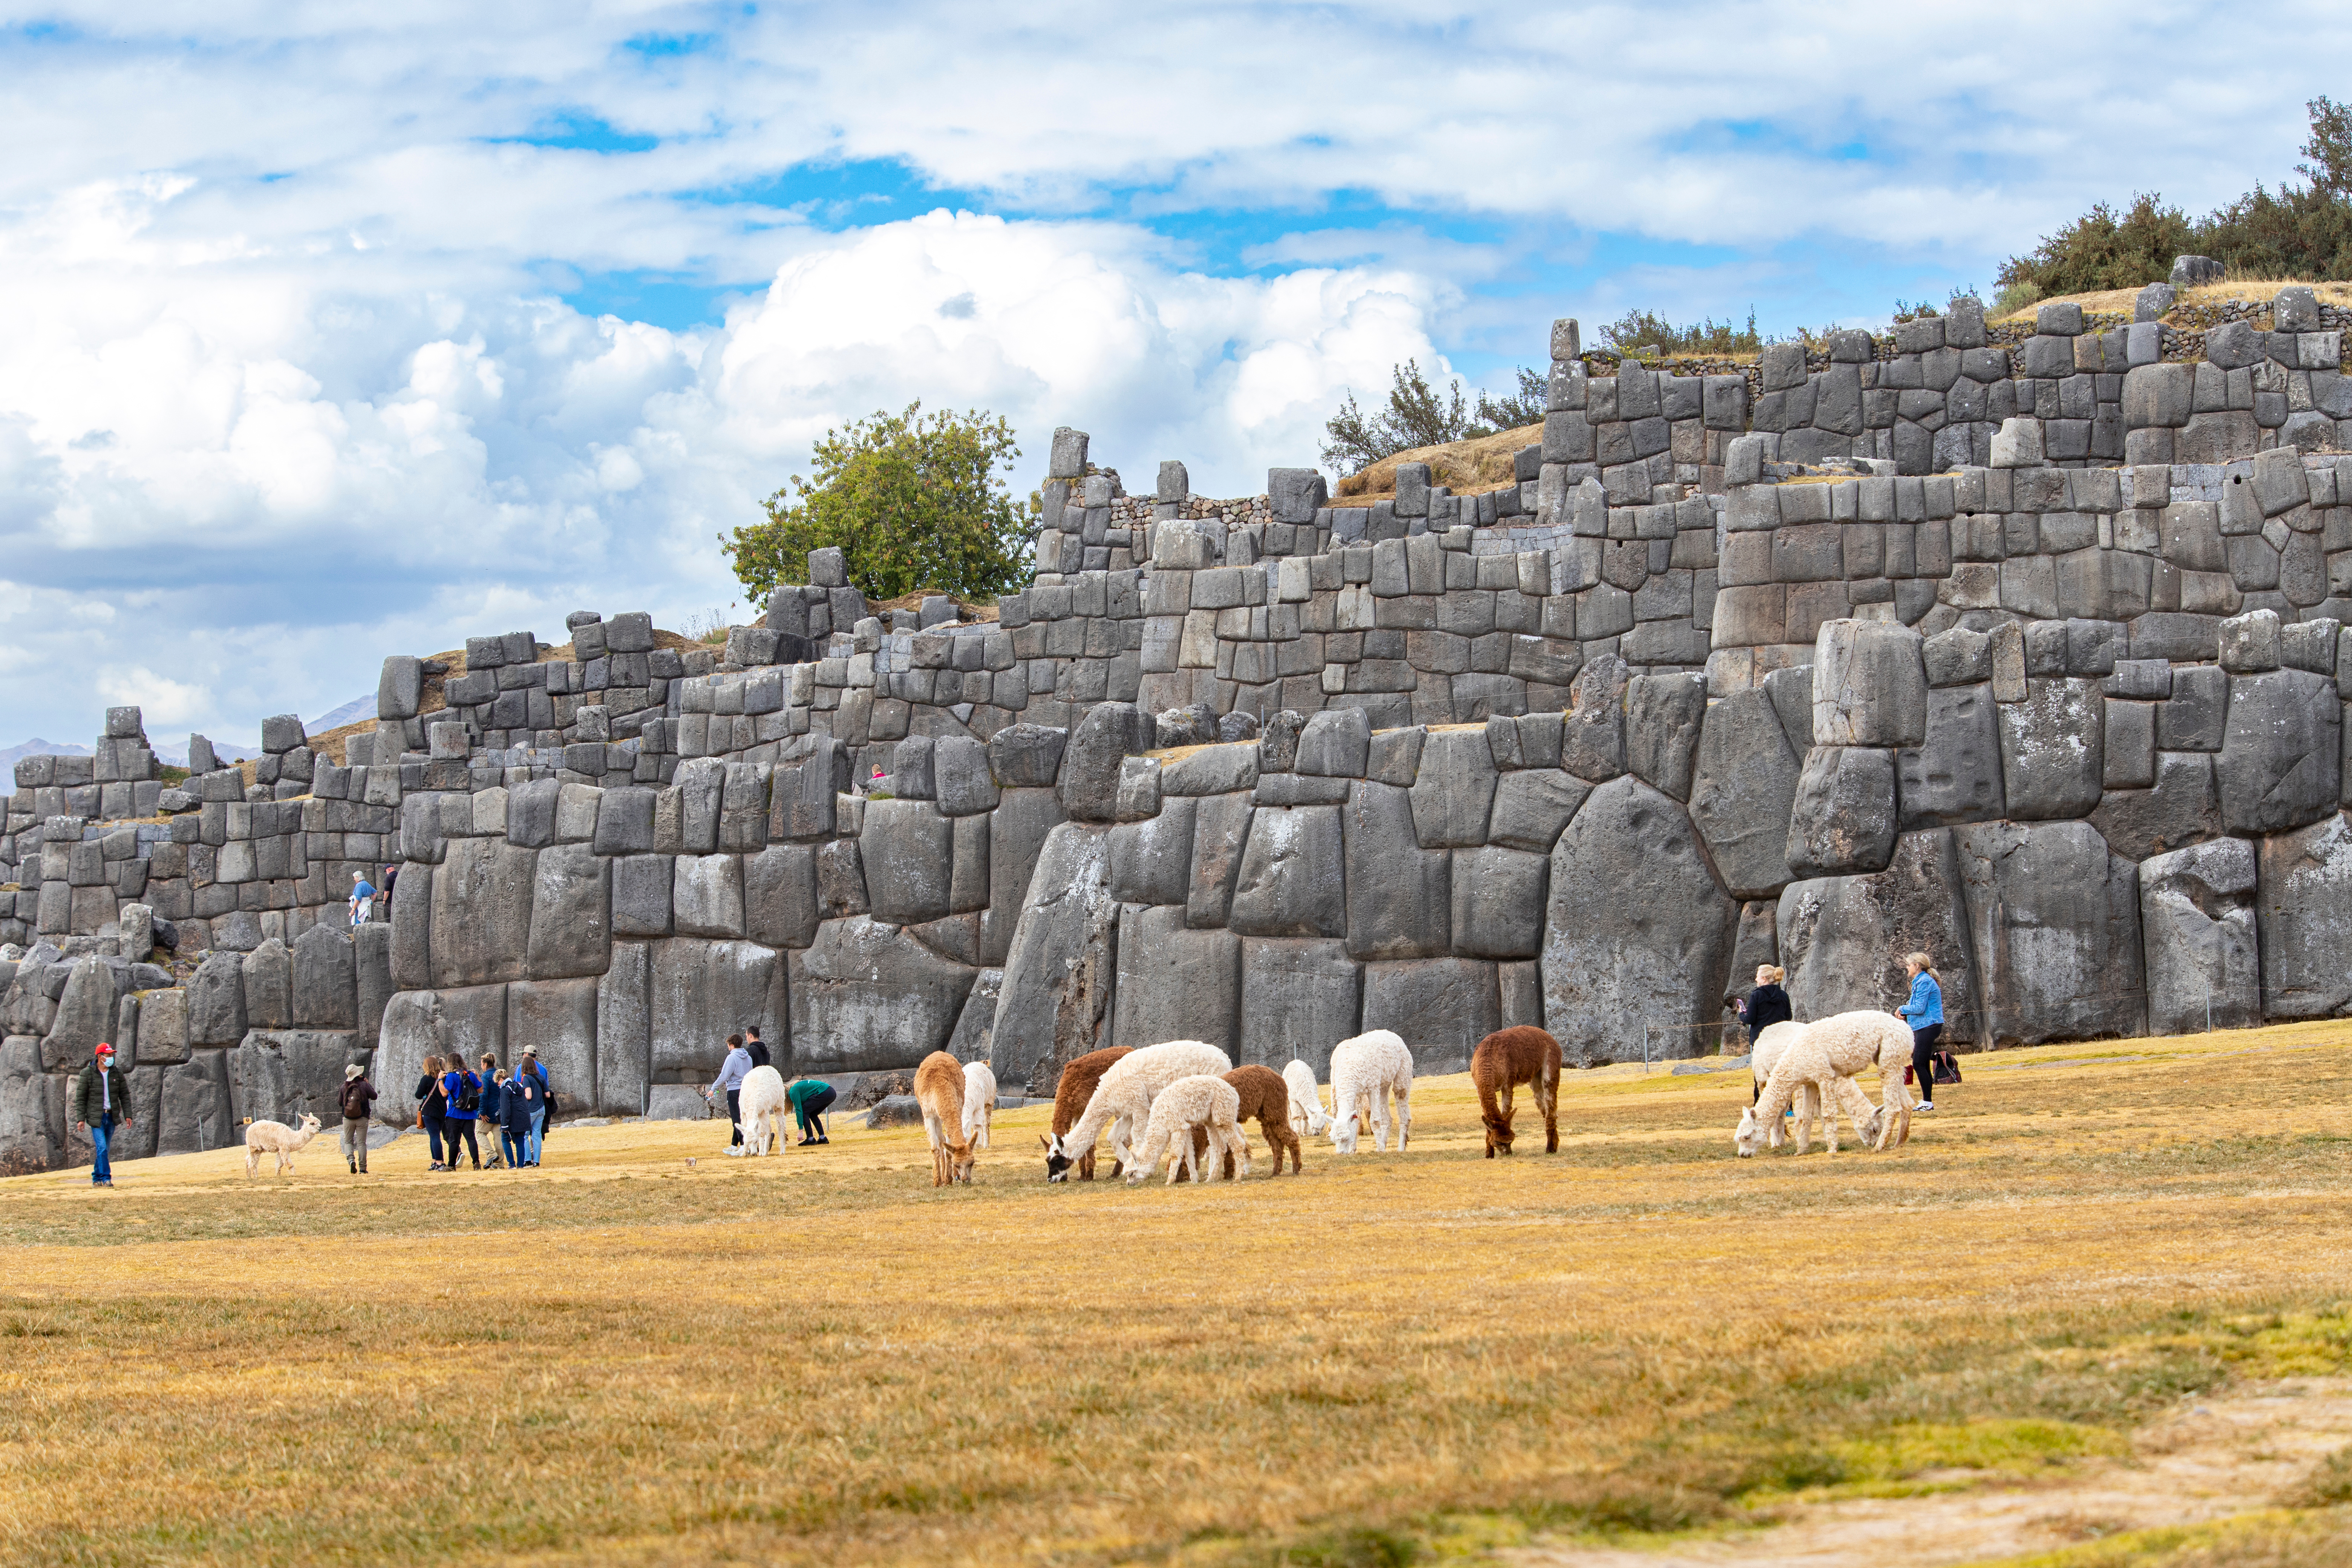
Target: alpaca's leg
column 1547, row 1091
column 1403, row 1115
column 252, row 1161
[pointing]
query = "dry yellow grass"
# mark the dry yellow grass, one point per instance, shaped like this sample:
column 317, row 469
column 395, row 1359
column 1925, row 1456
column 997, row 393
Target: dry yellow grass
column 1470, row 467
column 817, row 1357
column 2114, row 300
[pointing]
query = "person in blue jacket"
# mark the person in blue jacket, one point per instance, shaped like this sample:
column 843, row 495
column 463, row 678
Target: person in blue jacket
column 494, row 1115
column 526, row 1100
column 461, row 1095
column 1925, row 1013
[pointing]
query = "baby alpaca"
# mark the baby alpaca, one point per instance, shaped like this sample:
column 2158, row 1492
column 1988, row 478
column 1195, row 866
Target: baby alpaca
column 939, row 1089
column 1122, row 1101
column 1504, row 1060
column 1365, row 1072
column 761, row 1103
column 1196, row 1101
column 277, row 1138
column 1306, row 1115
column 1072, row 1091
column 1265, row 1099
column 979, row 1103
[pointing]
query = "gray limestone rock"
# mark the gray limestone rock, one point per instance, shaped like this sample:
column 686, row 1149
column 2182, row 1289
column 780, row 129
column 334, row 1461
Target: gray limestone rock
column 1335, row 743
column 2304, row 911
column 1399, row 895
column 283, row 1075
column 960, row 766
column 1277, row 744
column 412, row 931
column 1953, row 775
column 1291, row 881
column 1531, row 807
column 2198, row 928
column 1743, row 789
column 1300, row 998
column 398, row 689
column 571, row 930
column 1017, row 830
column 911, row 773
column 1870, row 687
column 2053, row 750
column 1791, row 692
column 557, row 1017
column 780, row 895
column 624, row 1031
column 1028, row 755
column 1395, row 755
column 326, row 979
column 1613, row 964
column 2053, row 923
column 642, row 885
column 269, row 986
column 1956, row 658
column 1440, row 1008
column 162, row 1027
column 1058, row 974
column 2181, row 809
column 1108, row 734
column 1175, row 983
column 1211, row 770
column 372, row 963
column 195, row 1112
column 976, row 1019
column 2282, row 751
column 625, row 821
column 1842, row 820
column 703, row 991
column 1662, row 714
column 481, row 909
column 1220, row 832
column 1498, row 902
column 1455, row 788
column 32, row 1108
column 868, row 998
column 1151, row 861
column 1593, row 736
column 840, row 881
column 1842, row 939
column 1759, row 943
column 706, row 896
column 909, row 850
column 216, row 1001
column 85, row 1015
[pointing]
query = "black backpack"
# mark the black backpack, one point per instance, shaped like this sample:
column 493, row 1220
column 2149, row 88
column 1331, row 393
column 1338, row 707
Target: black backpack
column 469, row 1093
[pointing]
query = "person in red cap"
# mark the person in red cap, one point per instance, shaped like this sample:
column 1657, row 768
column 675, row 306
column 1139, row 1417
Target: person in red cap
column 101, row 1097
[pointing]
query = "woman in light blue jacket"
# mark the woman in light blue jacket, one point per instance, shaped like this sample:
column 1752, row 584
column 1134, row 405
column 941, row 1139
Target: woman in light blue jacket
column 1925, row 1013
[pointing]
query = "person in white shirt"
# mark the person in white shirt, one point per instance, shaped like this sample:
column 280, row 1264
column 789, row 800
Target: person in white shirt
column 362, row 899
column 731, row 1073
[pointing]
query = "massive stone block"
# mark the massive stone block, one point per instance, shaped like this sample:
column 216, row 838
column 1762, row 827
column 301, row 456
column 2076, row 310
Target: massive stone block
column 1058, row 975
column 1151, row 860
column 1953, row 775
column 642, row 888
column 2181, row 809
column 372, row 960
column 326, row 979
column 269, row 986
column 624, row 1031
column 1440, row 1008
column 412, row 931
column 32, row 1108
column 195, row 1111
column 1638, row 930
column 706, row 896
column 558, row 1018
column 283, row 1075
column 1742, row 792
column 1843, row 821
column 217, row 1002
column 481, row 910
column 908, row 849
column 1455, row 788
column 2198, row 928
column 1017, row 830
column 780, row 895
column 704, row 991
column 162, row 1027
column 1292, row 882
column 867, row 998
column 1842, row 939
column 571, row 913
column 1400, row 896
column 2281, row 765
column 1221, row 825
column 2304, row 911
column 1108, row 734
column 2053, row 750
column 1300, row 998
column 1531, row 807
column 1593, row 736
column 85, row 1015
column 1870, row 687
column 1662, row 714
column 1174, row 982
column 1498, row 902
column 2054, row 921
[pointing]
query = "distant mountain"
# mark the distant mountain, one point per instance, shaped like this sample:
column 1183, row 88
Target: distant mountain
column 351, row 712
column 37, row 747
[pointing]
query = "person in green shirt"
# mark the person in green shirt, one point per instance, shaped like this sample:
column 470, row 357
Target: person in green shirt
column 809, row 1098
column 101, row 1097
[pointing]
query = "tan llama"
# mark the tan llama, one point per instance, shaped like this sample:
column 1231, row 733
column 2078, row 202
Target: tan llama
column 939, row 1089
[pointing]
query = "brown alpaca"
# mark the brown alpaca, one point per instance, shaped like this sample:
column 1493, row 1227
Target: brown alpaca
column 939, row 1090
column 1504, row 1060
column 1266, row 1098
column 1071, row 1092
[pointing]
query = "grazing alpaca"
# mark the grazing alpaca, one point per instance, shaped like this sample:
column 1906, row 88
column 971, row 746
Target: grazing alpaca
column 1072, row 1090
column 1504, row 1060
column 761, row 1103
column 1265, row 1099
column 1365, row 1071
column 979, row 1103
column 1306, row 1114
column 1856, row 1040
column 277, row 1138
column 1802, row 1062
column 939, row 1089
column 1766, row 1054
column 1197, row 1101
column 1122, row 1101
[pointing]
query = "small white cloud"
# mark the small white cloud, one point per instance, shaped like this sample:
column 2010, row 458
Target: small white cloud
column 160, row 700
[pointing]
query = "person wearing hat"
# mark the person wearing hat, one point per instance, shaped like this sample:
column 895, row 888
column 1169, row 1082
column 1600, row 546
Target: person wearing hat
column 101, row 1097
column 531, row 1066
column 357, row 1095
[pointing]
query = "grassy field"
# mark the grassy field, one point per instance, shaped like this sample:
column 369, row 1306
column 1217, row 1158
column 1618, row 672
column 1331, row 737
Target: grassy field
column 1640, row 1342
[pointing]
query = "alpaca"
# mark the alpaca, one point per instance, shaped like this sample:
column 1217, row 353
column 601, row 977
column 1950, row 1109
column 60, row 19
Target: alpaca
column 1122, row 1099
column 979, row 1103
column 939, row 1089
column 277, row 1138
column 1766, row 1054
column 1072, row 1090
column 1265, row 1099
column 1306, row 1114
column 761, row 1103
column 1365, row 1072
column 1197, row 1101
column 1803, row 1061
column 1856, row 1040
column 1504, row 1060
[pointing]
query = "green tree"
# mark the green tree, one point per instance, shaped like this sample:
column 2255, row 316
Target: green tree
column 2103, row 250
column 1417, row 416
column 913, row 500
column 1527, row 408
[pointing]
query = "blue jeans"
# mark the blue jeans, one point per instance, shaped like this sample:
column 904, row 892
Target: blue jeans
column 101, row 1133
column 510, row 1144
column 538, row 1128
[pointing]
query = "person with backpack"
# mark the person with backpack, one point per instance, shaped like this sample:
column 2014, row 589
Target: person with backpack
column 356, row 1096
column 541, row 1101
column 432, row 1107
column 461, row 1094
column 809, row 1098
column 101, row 1097
column 1925, row 1013
column 494, row 1115
column 731, row 1074
column 526, row 1102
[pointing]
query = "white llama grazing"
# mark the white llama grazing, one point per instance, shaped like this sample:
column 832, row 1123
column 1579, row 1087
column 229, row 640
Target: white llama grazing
column 1365, row 1071
column 1306, row 1114
column 979, row 1103
column 761, row 1104
column 277, row 1138
column 1199, row 1100
column 1122, row 1101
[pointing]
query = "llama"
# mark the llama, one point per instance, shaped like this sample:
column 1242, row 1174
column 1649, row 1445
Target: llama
column 1202, row 1102
column 1072, row 1090
column 277, row 1138
column 1305, row 1099
column 761, row 1103
column 979, row 1103
column 1122, row 1099
column 1265, row 1099
column 939, row 1089
column 1366, row 1071
column 1504, row 1060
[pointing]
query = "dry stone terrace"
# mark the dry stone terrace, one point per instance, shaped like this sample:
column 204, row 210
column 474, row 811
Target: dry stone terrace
column 2030, row 654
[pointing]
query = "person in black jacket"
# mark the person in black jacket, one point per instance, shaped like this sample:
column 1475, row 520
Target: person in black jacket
column 1767, row 1005
column 526, row 1098
column 757, row 1047
column 432, row 1107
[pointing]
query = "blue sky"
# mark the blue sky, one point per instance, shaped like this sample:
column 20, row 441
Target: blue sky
column 334, row 333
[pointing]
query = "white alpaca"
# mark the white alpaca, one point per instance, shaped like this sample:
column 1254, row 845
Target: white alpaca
column 979, row 1103
column 1854, row 1041
column 277, row 1138
column 1199, row 1101
column 1306, row 1114
column 761, row 1104
column 1802, row 1067
column 1766, row 1054
column 1122, row 1101
column 1365, row 1071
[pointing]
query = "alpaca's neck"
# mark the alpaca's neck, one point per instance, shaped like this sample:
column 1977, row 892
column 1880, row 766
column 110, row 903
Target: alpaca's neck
column 1098, row 1115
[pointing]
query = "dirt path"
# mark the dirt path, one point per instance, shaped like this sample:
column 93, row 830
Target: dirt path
column 2211, row 1459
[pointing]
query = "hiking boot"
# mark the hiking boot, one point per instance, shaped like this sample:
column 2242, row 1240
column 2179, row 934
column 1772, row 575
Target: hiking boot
column 354, row 1165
